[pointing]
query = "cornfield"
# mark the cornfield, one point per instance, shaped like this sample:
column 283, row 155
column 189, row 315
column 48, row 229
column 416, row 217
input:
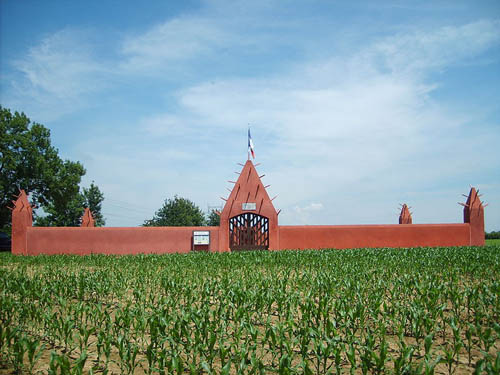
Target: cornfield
column 364, row 311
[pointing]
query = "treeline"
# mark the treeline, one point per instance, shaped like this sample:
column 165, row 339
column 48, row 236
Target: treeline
column 492, row 235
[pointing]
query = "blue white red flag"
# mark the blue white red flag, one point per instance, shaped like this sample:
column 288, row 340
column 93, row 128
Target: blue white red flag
column 250, row 145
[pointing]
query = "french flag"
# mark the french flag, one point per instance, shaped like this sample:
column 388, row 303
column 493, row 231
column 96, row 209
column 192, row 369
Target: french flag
column 250, row 145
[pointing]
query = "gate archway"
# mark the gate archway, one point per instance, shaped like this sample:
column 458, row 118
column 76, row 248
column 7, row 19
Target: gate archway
column 248, row 231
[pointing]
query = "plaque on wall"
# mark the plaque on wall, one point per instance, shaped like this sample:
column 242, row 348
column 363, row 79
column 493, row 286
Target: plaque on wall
column 249, row 206
column 201, row 237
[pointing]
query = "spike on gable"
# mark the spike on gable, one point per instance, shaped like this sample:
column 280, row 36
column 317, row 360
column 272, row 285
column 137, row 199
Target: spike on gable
column 405, row 215
column 88, row 219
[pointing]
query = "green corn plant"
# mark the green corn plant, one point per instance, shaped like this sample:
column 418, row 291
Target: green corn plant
column 351, row 356
column 79, row 364
column 54, row 363
column 17, row 351
column 83, row 337
column 34, row 351
column 469, row 333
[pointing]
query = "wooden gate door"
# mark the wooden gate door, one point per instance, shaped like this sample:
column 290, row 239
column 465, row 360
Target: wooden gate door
column 248, row 231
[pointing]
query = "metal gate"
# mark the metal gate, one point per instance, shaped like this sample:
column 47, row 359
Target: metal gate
column 249, row 231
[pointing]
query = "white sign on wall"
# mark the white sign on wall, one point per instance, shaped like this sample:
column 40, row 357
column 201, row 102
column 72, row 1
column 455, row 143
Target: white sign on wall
column 249, row 206
column 201, row 237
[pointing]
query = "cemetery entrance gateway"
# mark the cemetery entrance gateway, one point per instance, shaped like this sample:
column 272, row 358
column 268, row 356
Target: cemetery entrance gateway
column 248, row 231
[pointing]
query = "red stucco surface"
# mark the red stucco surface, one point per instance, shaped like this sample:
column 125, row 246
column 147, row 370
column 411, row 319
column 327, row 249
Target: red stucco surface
column 356, row 236
column 83, row 241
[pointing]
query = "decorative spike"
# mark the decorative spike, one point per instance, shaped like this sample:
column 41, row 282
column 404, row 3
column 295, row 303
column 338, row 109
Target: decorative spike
column 229, row 190
column 224, row 199
column 241, row 164
column 232, row 182
column 262, row 176
column 265, row 187
column 256, row 165
column 237, row 172
column 463, row 204
column 277, row 213
column 484, row 205
column 274, row 198
column 217, row 212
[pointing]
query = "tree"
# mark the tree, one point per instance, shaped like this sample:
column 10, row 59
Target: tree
column 177, row 212
column 28, row 161
column 93, row 199
column 213, row 219
column 69, row 213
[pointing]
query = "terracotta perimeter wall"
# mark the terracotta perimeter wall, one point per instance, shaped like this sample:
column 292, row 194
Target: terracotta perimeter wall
column 357, row 236
column 84, row 241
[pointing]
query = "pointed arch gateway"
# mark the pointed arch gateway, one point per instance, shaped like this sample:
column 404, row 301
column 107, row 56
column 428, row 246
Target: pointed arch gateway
column 249, row 220
column 248, row 231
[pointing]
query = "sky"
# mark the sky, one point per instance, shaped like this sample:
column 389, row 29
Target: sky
column 355, row 107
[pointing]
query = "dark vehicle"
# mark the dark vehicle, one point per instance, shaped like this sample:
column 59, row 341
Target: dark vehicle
column 5, row 244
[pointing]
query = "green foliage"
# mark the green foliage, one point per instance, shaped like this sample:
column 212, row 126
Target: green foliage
column 63, row 213
column 93, row 199
column 213, row 219
column 177, row 212
column 28, row 161
column 69, row 213
column 372, row 311
column 492, row 235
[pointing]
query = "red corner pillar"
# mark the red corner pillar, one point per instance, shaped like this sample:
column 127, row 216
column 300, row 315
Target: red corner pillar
column 474, row 215
column 405, row 215
column 22, row 218
column 87, row 219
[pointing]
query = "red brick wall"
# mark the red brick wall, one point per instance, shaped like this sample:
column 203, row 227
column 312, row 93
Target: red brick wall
column 82, row 241
column 357, row 236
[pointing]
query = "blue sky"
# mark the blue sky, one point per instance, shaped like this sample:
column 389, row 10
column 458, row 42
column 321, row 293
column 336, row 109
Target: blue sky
column 355, row 107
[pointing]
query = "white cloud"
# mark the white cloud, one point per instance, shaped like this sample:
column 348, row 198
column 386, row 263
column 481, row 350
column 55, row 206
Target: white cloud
column 56, row 75
column 447, row 45
column 173, row 41
column 308, row 208
column 59, row 65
